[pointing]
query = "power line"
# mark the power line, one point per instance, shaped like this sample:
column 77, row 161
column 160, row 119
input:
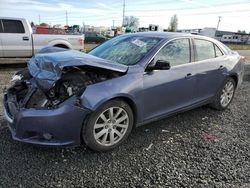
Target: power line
column 158, row 10
column 115, row 16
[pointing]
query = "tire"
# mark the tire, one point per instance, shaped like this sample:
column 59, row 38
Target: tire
column 108, row 126
column 218, row 103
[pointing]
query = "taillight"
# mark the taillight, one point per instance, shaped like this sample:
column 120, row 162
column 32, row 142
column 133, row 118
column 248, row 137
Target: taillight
column 244, row 59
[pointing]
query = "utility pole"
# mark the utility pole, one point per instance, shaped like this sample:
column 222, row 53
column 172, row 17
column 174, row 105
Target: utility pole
column 218, row 23
column 83, row 26
column 66, row 17
column 39, row 19
column 123, row 13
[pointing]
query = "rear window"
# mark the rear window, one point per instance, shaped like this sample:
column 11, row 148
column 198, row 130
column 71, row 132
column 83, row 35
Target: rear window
column 13, row 26
column 228, row 50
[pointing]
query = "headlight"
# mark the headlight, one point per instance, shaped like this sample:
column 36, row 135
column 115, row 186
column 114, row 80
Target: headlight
column 16, row 77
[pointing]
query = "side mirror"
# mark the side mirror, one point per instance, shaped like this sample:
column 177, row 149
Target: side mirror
column 159, row 65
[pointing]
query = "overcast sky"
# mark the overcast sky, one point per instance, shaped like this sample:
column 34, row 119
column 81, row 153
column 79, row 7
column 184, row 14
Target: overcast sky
column 191, row 13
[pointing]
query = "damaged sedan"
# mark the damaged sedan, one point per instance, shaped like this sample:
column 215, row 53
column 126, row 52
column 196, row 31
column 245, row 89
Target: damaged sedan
column 67, row 98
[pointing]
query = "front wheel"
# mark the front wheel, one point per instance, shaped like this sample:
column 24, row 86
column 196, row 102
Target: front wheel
column 108, row 126
column 225, row 95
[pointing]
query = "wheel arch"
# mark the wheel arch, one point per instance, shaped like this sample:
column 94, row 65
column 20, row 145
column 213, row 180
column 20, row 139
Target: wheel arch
column 131, row 104
column 61, row 46
column 235, row 77
column 60, row 43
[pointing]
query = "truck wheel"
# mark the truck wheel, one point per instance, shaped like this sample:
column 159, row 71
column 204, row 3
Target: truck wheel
column 108, row 126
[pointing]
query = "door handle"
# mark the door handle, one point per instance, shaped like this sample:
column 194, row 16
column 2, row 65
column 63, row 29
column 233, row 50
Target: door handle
column 221, row 67
column 188, row 75
column 25, row 38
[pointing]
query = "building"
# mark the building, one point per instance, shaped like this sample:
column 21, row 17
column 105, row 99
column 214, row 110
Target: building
column 232, row 37
column 151, row 27
column 223, row 36
column 191, row 31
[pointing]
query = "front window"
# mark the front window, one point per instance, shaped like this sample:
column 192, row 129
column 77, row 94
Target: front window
column 176, row 52
column 127, row 50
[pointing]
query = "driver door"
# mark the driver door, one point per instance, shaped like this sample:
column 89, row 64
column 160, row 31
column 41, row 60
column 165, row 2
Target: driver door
column 167, row 91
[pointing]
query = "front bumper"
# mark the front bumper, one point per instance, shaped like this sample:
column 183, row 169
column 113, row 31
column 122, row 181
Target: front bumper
column 63, row 125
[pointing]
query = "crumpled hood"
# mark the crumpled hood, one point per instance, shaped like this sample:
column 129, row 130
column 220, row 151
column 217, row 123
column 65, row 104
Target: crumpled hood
column 47, row 65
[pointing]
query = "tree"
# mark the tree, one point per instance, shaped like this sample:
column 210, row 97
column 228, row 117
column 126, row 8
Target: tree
column 173, row 24
column 44, row 24
column 131, row 22
column 243, row 31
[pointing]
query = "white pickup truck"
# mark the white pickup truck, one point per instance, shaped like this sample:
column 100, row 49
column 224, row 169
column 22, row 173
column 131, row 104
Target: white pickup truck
column 17, row 39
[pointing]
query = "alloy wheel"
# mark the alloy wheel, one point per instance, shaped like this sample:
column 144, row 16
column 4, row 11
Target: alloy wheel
column 111, row 126
column 227, row 94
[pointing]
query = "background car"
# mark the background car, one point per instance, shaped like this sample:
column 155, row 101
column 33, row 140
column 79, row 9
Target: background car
column 93, row 37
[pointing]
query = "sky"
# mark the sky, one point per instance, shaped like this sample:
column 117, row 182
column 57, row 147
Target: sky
column 235, row 14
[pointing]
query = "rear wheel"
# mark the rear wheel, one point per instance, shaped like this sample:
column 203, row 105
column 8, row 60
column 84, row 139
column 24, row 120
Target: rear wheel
column 225, row 95
column 108, row 126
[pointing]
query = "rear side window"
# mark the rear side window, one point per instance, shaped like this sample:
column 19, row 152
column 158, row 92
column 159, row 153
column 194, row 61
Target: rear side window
column 218, row 52
column 204, row 49
column 13, row 26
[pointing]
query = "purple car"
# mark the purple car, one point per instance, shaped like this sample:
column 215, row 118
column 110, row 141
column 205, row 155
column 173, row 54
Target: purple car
column 66, row 97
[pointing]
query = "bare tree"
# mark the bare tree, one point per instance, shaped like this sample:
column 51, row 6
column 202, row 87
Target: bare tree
column 173, row 24
column 131, row 22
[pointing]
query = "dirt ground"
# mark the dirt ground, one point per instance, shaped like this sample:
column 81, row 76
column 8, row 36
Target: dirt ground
column 198, row 148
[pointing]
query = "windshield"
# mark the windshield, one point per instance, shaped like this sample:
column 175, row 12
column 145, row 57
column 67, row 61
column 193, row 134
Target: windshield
column 127, row 50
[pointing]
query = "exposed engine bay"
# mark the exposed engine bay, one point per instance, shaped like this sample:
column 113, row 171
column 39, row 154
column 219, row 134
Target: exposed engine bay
column 28, row 92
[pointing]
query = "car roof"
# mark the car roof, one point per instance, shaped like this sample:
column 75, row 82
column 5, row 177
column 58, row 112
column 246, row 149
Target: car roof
column 173, row 35
column 160, row 34
column 168, row 35
column 11, row 18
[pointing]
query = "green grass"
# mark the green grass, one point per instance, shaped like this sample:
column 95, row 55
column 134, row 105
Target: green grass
column 239, row 46
column 88, row 47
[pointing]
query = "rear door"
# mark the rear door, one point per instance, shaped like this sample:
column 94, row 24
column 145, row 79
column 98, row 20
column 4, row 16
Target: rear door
column 1, row 46
column 16, row 42
column 210, row 68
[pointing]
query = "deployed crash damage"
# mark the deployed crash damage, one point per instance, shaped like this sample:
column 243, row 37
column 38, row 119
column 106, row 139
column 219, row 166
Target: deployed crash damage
column 66, row 97
column 51, row 78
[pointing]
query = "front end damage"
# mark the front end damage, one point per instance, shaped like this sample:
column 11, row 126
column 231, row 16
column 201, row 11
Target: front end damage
column 47, row 110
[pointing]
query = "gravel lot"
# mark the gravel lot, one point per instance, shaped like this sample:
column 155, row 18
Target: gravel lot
column 199, row 148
